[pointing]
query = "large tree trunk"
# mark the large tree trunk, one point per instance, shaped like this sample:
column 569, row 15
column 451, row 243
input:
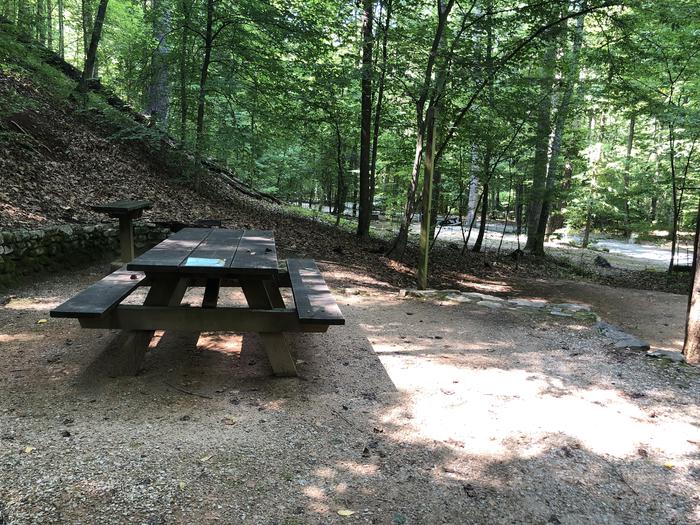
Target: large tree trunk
column 202, row 97
column 366, row 121
column 691, row 345
column 91, row 57
column 570, row 80
column 488, row 170
column 159, row 88
column 539, row 171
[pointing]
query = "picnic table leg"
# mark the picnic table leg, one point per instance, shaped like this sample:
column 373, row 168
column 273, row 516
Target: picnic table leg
column 211, row 293
column 277, row 348
column 164, row 292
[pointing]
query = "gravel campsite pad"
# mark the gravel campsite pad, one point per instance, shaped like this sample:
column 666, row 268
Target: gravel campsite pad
column 415, row 412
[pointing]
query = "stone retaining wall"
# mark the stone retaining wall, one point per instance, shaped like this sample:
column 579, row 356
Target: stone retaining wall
column 24, row 252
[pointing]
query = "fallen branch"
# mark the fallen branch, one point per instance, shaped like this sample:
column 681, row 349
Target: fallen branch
column 30, row 136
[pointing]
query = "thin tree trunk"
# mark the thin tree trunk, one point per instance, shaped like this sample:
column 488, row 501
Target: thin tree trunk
column 86, row 14
column 201, row 99
column 366, row 121
column 184, row 72
column 40, row 22
column 483, row 219
column 378, row 106
column 674, row 192
column 61, row 31
column 424, row 254
column 159, row 88
column 91, row 57
column 49, row 24
column 626, row 179
column 399, row 245
column 340, row 192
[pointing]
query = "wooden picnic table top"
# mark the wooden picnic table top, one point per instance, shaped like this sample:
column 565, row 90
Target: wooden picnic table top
column 213, row 252
column 122, row 207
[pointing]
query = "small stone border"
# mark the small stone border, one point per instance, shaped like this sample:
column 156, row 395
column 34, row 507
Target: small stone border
column 619, row 338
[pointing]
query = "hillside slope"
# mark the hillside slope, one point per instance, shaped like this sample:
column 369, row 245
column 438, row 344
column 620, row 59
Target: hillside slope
column 59, row 156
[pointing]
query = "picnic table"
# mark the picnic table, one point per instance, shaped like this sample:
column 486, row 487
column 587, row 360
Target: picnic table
column 126, row 211
column 211, row 258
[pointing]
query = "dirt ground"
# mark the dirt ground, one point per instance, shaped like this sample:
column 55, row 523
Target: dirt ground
column 415, row 412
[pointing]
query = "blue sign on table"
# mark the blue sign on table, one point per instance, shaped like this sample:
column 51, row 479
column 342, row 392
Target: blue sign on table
column 202, row 261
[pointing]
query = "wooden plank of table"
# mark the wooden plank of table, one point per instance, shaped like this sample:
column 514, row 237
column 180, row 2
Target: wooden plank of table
column 169, row 254
column 121, row 207
column 256, row 253
column 216, row 251
column 313, row 299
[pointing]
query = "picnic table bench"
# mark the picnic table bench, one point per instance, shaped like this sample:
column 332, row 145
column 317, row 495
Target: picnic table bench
column 211, row 258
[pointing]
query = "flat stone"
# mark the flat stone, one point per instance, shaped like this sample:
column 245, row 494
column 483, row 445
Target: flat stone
column 662, row 353
column 490, row 304
column 530, row 303
column 458, row 297
column 573, row 307
column 560, row 313
column 632, row 343
column 482, row 296
column 621, row 339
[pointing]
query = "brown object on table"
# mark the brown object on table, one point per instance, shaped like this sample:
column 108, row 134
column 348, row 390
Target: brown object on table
column 210, row 258
column 126, row 211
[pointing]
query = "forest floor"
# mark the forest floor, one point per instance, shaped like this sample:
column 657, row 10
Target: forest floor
column 414, row 412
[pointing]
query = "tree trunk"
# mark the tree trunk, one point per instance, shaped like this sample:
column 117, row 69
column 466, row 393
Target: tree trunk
column 675, row 205
column 366, row 121
column 184, row 72
column 399, row 245
column 61, row 31
column 539, row 171
column 201, row 99
column 519, row 194
column 570, row 80
column 426, row 213
column 473, row 185
column 40, row 22
column 378, row 106
column 340, row 160
column 49, row 24
column 91, row 57
column 159, row 88
column 691, row 345
column 484, row 218
column 626, row 181
column 86, row 14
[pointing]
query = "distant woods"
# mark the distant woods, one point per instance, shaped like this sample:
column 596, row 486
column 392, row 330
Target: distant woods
column 570, row 113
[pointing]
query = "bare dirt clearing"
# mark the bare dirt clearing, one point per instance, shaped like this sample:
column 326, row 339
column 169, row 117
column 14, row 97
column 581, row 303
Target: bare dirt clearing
column 412, row 413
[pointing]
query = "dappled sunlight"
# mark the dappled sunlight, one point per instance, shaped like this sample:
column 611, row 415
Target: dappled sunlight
column 479, row 410
column 221, row 342
column 38, row 304
column 20, row 338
